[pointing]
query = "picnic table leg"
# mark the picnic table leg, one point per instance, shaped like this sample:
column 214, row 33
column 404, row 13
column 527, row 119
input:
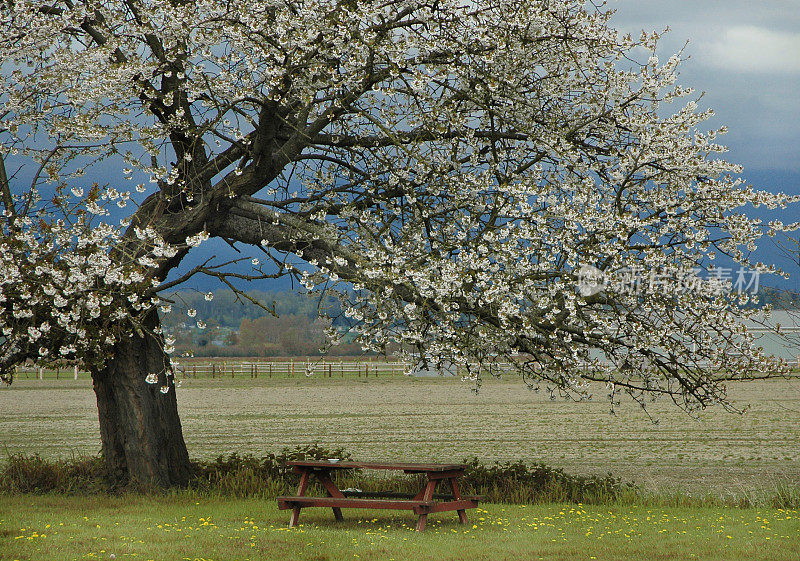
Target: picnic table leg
column 425, row 495
column 301, row 490
column 333, row 491
column 462, row 514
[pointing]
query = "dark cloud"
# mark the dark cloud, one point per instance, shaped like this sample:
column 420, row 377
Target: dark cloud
column 745, row 56
column 709, row 14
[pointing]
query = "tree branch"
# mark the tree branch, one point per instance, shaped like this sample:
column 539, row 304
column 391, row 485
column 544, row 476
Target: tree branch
column 5, row 191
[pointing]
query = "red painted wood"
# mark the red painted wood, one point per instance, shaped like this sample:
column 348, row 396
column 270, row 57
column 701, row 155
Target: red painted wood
column 449, row 474
column 407, row 467
column 462, row 514
column 427, row 497
column 393, row 495
column 333, row 491
column 454, row 505
column 301, row 490
column 291, row 502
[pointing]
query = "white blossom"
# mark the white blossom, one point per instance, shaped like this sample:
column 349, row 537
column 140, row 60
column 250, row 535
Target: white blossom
column 197, row 239
column 457, row 163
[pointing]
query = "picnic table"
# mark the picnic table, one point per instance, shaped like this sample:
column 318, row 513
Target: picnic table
column 423, row 503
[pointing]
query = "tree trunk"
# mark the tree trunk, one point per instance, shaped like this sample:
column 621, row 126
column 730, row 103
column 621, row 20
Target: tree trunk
column 142, row 440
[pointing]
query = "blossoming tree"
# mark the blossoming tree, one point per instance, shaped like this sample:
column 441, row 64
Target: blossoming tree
column 457, row 165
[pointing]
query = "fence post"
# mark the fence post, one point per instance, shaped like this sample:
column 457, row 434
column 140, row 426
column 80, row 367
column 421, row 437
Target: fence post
column 41, row 370
column 76, row 371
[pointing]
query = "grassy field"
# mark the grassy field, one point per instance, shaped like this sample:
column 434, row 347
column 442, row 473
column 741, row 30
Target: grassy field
column 191, row 528
column 442, row 420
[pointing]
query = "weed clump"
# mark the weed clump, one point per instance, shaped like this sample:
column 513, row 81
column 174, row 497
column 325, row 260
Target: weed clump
column 237, row 475
column 520, row 483
column 33, row 474
column 268, row 476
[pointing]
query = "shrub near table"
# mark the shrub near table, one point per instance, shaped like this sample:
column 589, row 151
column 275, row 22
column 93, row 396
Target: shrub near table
column 269, row 476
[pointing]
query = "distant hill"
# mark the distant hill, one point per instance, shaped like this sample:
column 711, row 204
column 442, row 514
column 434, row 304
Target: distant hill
column 779, row 298
column 228, row 311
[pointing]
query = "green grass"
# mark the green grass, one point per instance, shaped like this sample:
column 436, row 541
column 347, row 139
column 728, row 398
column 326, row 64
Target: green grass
column 690, row 471
column 183, row 526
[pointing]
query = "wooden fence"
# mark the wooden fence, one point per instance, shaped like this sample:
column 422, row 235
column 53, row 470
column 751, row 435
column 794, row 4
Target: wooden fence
column 287, row 369
column 64, row 372
column 233, row 368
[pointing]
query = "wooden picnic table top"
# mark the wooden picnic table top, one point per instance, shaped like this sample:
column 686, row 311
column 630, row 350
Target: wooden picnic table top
column 407, row 467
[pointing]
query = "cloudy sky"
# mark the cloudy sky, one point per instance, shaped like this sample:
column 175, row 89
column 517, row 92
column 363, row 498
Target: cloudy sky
column 745, row 54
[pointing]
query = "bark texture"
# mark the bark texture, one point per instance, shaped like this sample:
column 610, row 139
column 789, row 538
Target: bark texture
column 142, row 440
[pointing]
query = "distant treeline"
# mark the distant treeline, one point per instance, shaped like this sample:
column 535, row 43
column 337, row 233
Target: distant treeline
column 228, row 310
column 238, row 327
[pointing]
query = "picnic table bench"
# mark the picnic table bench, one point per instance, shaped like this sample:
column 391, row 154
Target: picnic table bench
column 425, row 502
